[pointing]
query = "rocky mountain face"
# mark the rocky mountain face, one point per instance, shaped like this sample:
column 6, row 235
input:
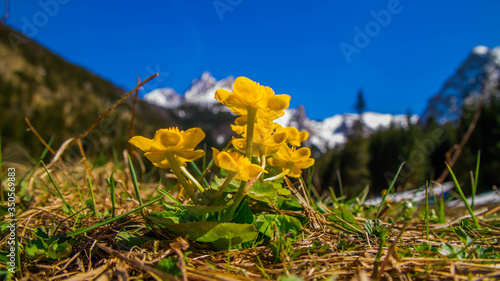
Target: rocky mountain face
column 480, row 71
column 324, row 134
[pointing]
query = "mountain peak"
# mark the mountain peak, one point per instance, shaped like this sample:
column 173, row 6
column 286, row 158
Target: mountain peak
column 465, row 85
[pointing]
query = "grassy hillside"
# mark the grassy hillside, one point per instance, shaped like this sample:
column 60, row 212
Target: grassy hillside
column 62, row 100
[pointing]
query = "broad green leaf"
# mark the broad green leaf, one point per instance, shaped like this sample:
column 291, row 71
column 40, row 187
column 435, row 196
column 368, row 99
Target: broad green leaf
column 267, row 192
column 200, row 210
column 283, row 223
column 168, row 217
column 217, row 234
column 243, row 214
column 217, row 182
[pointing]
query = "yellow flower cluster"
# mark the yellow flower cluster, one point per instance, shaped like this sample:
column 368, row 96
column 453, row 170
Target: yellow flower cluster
column 261, row 140
column 258, row 107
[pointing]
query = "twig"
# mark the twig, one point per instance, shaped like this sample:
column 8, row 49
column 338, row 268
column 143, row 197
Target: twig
column 132, row 119
column 457, row 149
column 102, row 116
column 38, row 136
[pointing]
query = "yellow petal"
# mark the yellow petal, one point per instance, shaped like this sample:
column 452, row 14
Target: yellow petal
column 276, row 139
column 141, row 142
column 303, row 136
column 303, row 152
column 249, row 172
column 167, row 139
column 215, row 152
column 192, row 138
column 227, row 162
column 239, row 144
column 229, row 99
column 246, row 90
column 274, row 103
column 278, row 163
column 189, row 155
column 158, row 158
column 304, row 164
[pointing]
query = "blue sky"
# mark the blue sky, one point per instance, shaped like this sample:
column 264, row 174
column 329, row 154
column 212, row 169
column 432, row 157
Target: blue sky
column 399, row 60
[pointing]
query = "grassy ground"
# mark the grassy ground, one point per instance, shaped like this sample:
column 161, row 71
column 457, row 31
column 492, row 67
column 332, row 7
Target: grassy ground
column 406, row 242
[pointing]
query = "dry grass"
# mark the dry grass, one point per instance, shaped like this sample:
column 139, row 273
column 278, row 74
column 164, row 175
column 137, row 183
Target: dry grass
column 320, row 253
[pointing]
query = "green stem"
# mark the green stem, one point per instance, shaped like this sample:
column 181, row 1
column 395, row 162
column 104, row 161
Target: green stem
column 462, row 196
column 252, row 114
column 187, row 174
column 96, row 211
column 223, row 187
column 228, row 216
column 178, row 173
column 278, row 176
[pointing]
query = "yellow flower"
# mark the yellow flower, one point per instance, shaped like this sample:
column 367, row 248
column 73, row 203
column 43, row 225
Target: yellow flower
column 294, row 160
column 248, row 95
column 267, row 137
column 295, row 137
column 236, row 163
column 171, row 143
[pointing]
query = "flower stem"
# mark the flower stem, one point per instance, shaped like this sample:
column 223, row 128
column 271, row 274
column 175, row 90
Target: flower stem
column 187, row 174
column 228, row 215
column 280, row 175
column 222, row 187
column 252, row 114
column 178, row 174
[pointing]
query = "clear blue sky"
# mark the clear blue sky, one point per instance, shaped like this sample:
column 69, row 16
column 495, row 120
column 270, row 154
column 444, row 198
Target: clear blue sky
column 292, row 46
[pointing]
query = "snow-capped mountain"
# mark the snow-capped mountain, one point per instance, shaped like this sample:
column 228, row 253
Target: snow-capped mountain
column 323, row 134
column 333, row 131
column 464, row 87
column 166, row 98
column 203, row 90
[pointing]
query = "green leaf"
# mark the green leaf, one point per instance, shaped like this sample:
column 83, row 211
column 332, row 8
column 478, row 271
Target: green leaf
column 36, row 249
column 267, row 192
column 41, row 233
column 216, row 234
column 426, row 250
column 58, row 251
column 131, row 240
column 169, row 265
column 348, row 220
column 217, row 182
column 199, row 210
column 243, row 214
column 283, row 223
column 448, row 250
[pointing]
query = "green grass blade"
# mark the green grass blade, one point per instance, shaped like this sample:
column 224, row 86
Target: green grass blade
column 97, row 225
column 389, row 190
column 462, row 196
column 427, row 210
column 112, row 186
column 476, row 176
column 58, row 190
column 96, row 211
column 134, row 179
